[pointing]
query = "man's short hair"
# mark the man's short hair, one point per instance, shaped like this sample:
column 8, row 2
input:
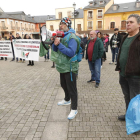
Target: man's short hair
column 116, row 29
column 136, row 16
column 17, row 33
column 10, row 33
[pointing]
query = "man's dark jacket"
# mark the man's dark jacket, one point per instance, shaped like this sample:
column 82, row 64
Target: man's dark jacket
column 18, row 37
column 84, row 39
column 133, row 62
column 97, row 51
column 118, row 40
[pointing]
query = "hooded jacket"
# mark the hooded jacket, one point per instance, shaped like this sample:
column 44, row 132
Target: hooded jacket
column 63, row 53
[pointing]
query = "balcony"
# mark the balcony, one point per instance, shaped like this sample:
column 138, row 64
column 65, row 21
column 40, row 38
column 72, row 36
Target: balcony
column 89, row 28
column 78, row 29
column 99, row 16
column 90, row 18
column 22, row 28
column 17, row 28
column 33, row 29
column 3, row 27
column 13, row 27
column 26, row 29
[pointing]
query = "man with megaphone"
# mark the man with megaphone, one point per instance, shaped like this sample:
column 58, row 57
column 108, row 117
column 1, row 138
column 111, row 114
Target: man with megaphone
column 63, row 50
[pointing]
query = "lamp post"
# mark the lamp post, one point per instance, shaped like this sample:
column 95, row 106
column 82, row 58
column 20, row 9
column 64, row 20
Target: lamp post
column 74, row 6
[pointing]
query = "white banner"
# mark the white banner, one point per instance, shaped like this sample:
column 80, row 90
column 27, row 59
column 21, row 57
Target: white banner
column 27, row 49
column 6, row 49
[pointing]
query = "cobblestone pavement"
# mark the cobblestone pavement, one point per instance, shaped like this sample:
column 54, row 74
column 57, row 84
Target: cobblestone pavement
column 29, row 111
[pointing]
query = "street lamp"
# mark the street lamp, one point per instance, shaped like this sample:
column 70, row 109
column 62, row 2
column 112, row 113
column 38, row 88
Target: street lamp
column 74, row 6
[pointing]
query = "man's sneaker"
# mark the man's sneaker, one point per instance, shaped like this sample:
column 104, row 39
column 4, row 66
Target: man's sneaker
column 111, row 63
column 90, row 81
column 121, row 118
column 63, row 102
column 72, row 114
column 97, row 85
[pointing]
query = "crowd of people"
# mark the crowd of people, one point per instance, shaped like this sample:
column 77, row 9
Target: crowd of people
column 125, row 55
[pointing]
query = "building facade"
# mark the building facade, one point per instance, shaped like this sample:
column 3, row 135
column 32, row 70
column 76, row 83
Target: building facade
column 117, row 14
column 16, row 22
column 54, row 21
column 94, row 14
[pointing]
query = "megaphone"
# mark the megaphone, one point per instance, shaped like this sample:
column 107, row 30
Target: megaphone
column 47, row 34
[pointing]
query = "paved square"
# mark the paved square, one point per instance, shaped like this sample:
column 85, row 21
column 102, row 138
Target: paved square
column 29, row 111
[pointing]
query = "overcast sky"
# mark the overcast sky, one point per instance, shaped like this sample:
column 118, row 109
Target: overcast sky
column 44, row 7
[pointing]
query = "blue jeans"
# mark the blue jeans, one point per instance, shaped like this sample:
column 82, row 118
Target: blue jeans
column 47, row 55
column 114, row 54
column 95, row 69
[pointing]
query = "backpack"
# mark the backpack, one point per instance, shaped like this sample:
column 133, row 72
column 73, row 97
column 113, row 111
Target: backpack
column 77, row 57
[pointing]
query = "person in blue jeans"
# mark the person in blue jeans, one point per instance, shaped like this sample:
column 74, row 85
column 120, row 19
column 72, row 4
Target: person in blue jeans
column 47, row 56
column 94, row 53
column 114, row 45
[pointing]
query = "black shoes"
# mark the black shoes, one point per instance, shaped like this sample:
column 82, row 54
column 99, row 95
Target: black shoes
column 52, row 66
column 97, row 85
column 90, row 81
column 121, row 118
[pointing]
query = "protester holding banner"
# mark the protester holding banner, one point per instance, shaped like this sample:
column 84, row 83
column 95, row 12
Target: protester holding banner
column 18, row 37
column 2, row 40
column 31, row 62
column 10, row 38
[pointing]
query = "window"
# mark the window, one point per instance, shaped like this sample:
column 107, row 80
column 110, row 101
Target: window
column 101, row 2
column 60, row 15
column 51, row 28
column 115, row 7
column 16, row 24
column 99, row 24
column 78, row 27
column 112, row 25
column 90, row 25
column 137, row 4
column 100, row 14
column 123, row 25
column 11, row 23
column 90, row 14
column 3, row 23
column 69, row 14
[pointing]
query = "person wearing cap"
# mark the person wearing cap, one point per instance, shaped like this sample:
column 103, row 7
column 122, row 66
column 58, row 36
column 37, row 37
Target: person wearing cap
column 62, row 52
column 128, row 63
column 115, row 44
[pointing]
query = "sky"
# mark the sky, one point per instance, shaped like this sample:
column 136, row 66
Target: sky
column 44, row 7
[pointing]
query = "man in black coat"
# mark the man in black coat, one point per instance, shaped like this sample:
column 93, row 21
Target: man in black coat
column 84, row 40
column 115, row 44
column 10, row 38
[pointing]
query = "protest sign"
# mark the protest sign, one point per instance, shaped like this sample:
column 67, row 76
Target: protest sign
column 27, row 49
column 6, row 49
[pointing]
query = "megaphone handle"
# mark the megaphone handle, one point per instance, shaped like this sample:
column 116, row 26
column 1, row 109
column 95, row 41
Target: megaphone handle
column 50, row 42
